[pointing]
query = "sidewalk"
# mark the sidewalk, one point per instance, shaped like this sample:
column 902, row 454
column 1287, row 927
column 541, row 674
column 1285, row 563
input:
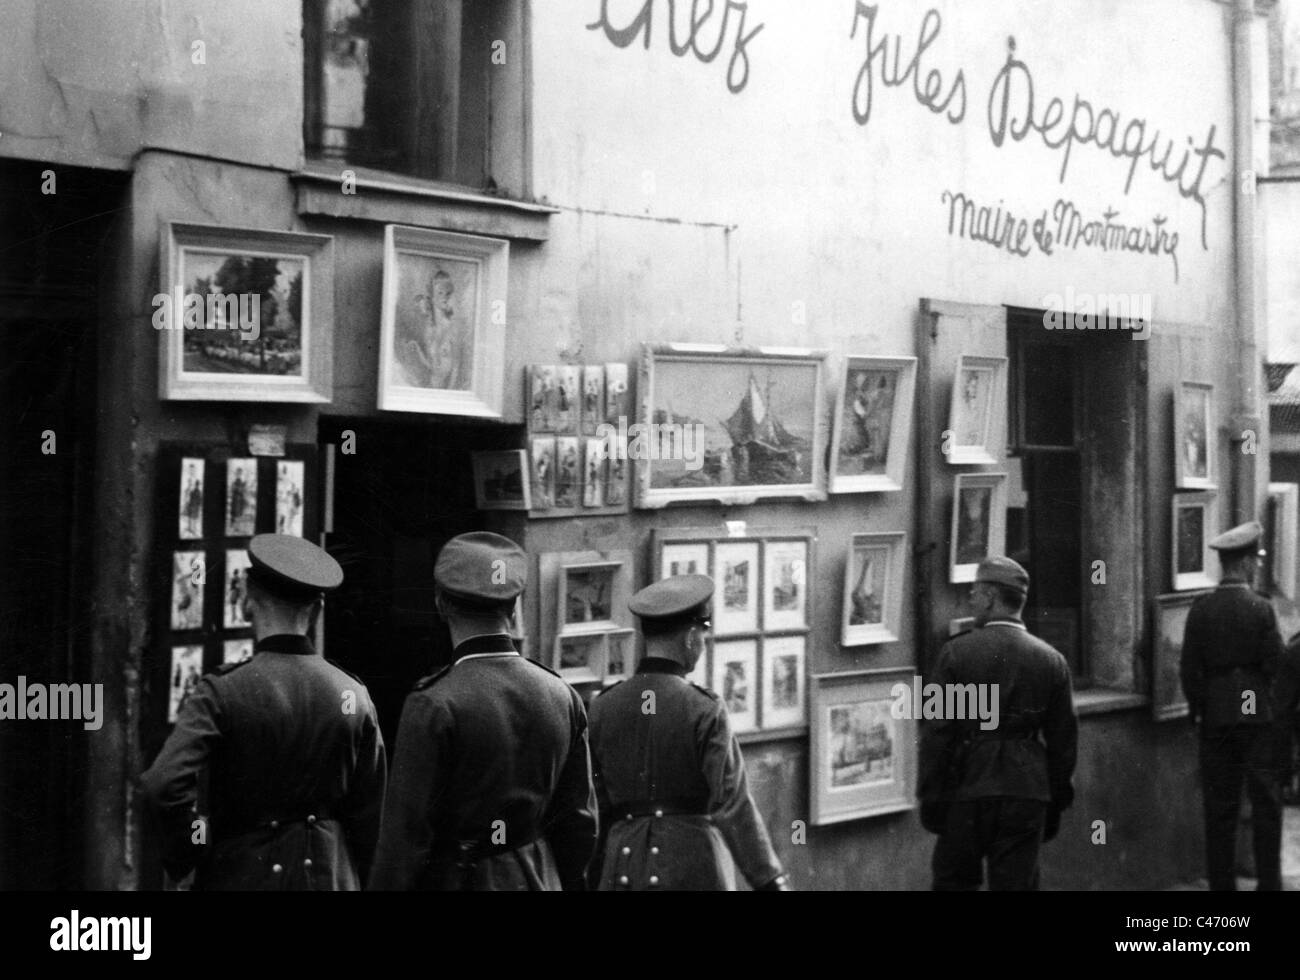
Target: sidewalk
column 1290, row 859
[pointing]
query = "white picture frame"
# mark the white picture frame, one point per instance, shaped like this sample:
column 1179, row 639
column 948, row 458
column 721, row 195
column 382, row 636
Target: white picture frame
column 979, row 523
column 977, row 416
column 1194, row 524
column 1282, row 557
column 785, row 585
column 736, row 681
column 736, row 596
column 1195, row 442
column 872, row 427
column 873, row 589
column 785, row 697
column 288, row 357
column 443, row 326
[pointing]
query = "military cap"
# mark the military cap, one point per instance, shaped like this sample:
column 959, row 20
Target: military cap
column 673, row 598
column 1239, row 538
column 292, row 567
column 1003, row 571
column 481, row 568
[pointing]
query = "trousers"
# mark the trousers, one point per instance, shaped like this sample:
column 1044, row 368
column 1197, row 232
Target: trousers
column 1004, row 831
column 1229, row 757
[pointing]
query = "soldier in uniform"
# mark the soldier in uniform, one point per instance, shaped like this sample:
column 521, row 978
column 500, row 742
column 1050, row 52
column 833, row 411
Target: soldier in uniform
column 669, row 773
column 995, row 795
column 1231, row 647
column 288, row 743
column 491, row 782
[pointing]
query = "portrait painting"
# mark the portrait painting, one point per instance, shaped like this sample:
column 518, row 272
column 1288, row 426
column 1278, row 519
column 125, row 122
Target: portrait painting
column 873, row 417
column 186, row 669
column 245, row 315
column 567, row 472
column 785, row 577
column 731, row 427
column 241, row 497
column 541, row 397
column 1195, row 445
column 188, row 576
column 290, row 477
column 543, row 473
column 593, row 397
column 1194, row 526
column 977, row 418
column 191, row 502
column 735, row 666
column 235, row 588
column 593, row 468
column 501, row 480
column 442, row 323
column 568, row 398
column 873, row 585
column 735, row 601
column 783, row 681
column 979, row 525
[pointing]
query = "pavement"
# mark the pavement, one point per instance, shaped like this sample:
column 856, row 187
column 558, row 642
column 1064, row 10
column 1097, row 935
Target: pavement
column 1290, row 859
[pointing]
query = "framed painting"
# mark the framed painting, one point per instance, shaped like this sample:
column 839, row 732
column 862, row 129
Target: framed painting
column 443, row 326
column 872, row 425
column 977, row 416
column 863, row 758
column 1170, row 618
column 735, row 601
column 1195, row 448
column 979, row 522
column 784, row 669
column 735, row 680
column 245, row 315
column 785, row 585
column 501, row 480
column 729, row 425
column 620, row 659
column 873, row 589
column 1282, row 530
column 1194, row 524
column 590, row 592
column 580, row 659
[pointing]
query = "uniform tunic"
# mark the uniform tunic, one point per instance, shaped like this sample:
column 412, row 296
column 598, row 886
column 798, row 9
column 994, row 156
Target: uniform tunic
column 294, row 765
column 490, row 788
column 672, row 789
column 1231, row 648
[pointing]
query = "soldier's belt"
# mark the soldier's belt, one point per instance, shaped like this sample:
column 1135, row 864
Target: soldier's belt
column 660, row 808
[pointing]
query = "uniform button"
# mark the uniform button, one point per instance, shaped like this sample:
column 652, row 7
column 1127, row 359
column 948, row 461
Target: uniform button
column 654, row 850
column 276, row 868
column 627, row 850
column 622, row 880
column 629, row 816
column 306, row 862
column 311, row 818
column 659, row 813
column 654, row 880
column 275, row 824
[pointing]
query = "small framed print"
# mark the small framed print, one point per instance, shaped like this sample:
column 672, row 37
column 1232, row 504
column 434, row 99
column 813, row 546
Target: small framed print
column 1167, row 698
column 580, row 658
column 616, row 481
column 735, row 680
column 616, row 393
column 588, row 594
column 593, row 397
column 593, row 469
column 873, row 424
column 785, row 578
column 684, row 559
column 1196, row 447
column 501, row 480
column 543, row 473
column 440, row 338
column 241, row 497
column 567, row 398
column 863, row 757
column 1283, row 529
column 235, row 589
column 783, row 681
column 1194, row 525
column 979, row 522
column 187, row 668
column 620, row 660
column 264, row 301
column 978, row 415
column 289, row 477
column 237, row 651
column 191, row 509
column 188, row 576
column 566, row 472
column 541, row 398
column 873, row 589
column 735, row 601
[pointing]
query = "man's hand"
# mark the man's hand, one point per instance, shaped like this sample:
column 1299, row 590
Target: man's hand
column 1052, row 825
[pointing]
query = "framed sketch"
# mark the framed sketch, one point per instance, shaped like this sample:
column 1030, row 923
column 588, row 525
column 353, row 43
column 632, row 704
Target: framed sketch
column 620, row 660
column 593, row 397
column 729, row 425
column 237, row 651
column 589, row 593
column 567, row 472
column 735, row 680
column 234, row 589
column 1170, row 617
column 1282, row 530
column 191, row 509
column 1195, row 445
column 863, row 758
column 687, row 558
column 616, row 393
column 188, row 577
column 542, row 397
column 873, row 589
column 542, row 472
column 241, row 497
column 978, row 413
column 568, row 400
column 187, row 668
column 785, row 585
column 289, row 476
column 735, row 600
column 580, row 659
column 245, row 315
column 784, row 669
column 873, row 424
column 979, row 522
column 443, row 326
column 501, row 480
column 1194, row 524
column 594, row 462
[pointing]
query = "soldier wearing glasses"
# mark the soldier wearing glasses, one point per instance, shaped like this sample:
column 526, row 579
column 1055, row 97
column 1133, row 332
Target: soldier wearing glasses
column 1231, row 648
column 668, row 770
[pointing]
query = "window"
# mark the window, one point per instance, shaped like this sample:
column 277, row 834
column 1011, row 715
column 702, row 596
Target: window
column 426, row 88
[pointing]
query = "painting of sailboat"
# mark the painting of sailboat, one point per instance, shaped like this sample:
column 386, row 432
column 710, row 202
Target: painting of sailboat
column 749, row 424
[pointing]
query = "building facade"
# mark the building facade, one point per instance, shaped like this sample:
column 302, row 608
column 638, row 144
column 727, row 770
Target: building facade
column 1027, row 186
